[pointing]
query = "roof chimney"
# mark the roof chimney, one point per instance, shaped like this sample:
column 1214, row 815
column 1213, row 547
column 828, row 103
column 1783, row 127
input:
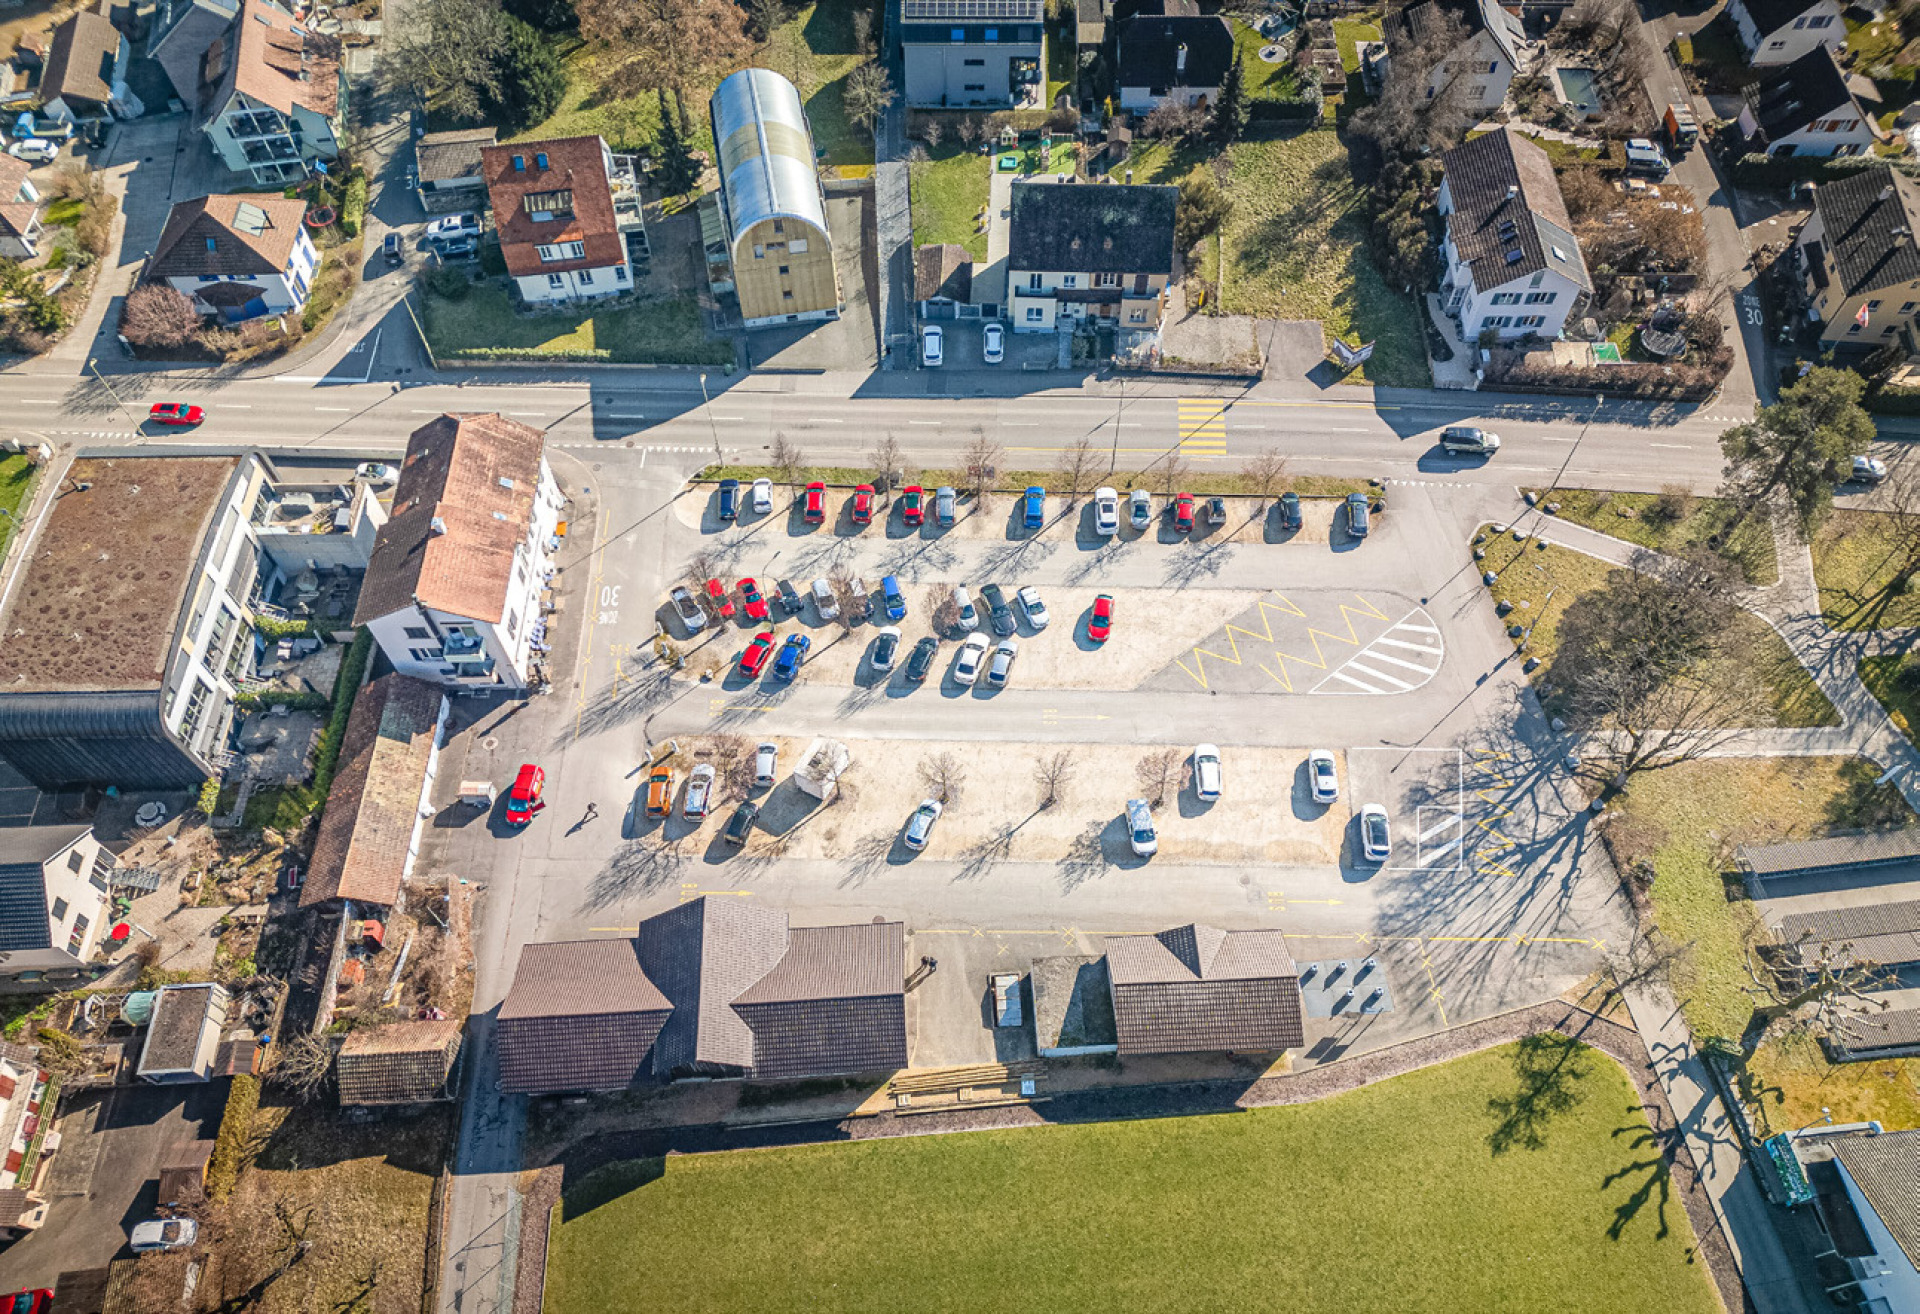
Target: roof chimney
column 1886, row 193
column 1513, row 190
column 1180, row 58
column 1129, row 177
column 437, row 526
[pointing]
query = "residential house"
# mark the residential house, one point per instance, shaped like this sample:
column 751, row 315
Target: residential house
column 183, row 1034
column 942, row 280
column 1513, row 267
column 179, row 37
column 1867, row 1197
column 568, row 215
column 964, row 52
column 1181, row 58
column 1089, row 252
column 452, row 593
column 1860, row 264
column 382, row 788
column 237, row 257
column 1196, row 988
column 19, row 210
column 1781, row 31
column 399, row 1063
column 86, row 70
column 54, row 907
column 770, row 198
column 23, row 1116
column 712, row 988
column 1808, row 107
column 1483, row 62
column 449, row 171
column 272, row 95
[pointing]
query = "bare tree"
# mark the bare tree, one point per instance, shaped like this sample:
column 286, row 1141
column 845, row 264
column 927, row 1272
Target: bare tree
column 1174, row 471
column 863, row 31
column 447, row 53
column 931, row 131
column 1829, row 976
column 1052, row 774
column 886, row 461
column 982, row 459
column 155, row 315
column 1423, row 106
column 732, row 759
column 788, row 459
column 303, row 1065
column 1652, row 957
column 1178, row 120
column 971, row 130
column 1077, row 466
column 840, row 580
column 866, row 95
column 944, row 778
column 1263, row 474
column 675, row 44
column 1896, row 545
column 946, row 613
column 1161, row 772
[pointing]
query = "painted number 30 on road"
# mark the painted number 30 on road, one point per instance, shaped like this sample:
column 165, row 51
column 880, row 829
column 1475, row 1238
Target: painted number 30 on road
column 609, row 603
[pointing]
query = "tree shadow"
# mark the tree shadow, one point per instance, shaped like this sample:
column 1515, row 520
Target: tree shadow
column 1655, row 1182
column 638, row 867
column 1086, row 857
column 1549, row 1068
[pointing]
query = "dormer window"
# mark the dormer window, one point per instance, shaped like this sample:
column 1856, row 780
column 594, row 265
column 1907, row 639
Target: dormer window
column 540, row 160
column 519, row 164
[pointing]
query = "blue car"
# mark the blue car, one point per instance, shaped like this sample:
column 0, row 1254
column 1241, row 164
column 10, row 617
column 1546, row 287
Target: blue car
column 792, row 653
column 729, row 499
column 1036, row 507
column 896, row 600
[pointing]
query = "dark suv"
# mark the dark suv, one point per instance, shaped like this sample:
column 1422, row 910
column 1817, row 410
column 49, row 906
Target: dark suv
column 998, row 612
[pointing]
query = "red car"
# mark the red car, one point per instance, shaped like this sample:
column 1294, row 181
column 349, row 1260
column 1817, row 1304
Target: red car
column 814, row 510
column 523, row 800
column 750, row 600
column 913, row 507
column 1100, row 625
column 756, row 654
column 37, row 1301
column 1183, row 513
column 721, row 599
column 178, row 414
column 863, row 505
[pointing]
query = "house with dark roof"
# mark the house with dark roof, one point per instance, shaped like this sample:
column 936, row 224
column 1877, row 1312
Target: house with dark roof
column 1197, row 988
column 452, row 591
column 1808, row 107
column 1182, row 58
column 1781, row 31
column 568, row 214
column 399, row 1063
column 1879, row 1022
column 179, row 36
column 237, row 256
column 712, row 988
column 1080, row 252
column 1487, row 46
column 1513, row 265
column 448, row 171
column 86, row 70
column 53, row 901
column 1860, row 266
column 1867, row 1197
column 183, row 1034
column 370, row 829
column 20, row 210
column 974, row 52
column 272, row 94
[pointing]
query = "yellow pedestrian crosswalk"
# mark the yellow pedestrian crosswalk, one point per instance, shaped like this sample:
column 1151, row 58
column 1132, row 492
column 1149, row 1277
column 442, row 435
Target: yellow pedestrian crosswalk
column 1203, row 426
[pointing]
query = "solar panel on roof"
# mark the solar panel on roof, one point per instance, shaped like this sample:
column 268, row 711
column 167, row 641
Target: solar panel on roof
column 1028, row 10
column 250, row 218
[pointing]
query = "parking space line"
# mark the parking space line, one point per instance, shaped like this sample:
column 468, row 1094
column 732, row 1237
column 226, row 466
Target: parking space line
column 1424, row 629
column 1342, row 675
column 1449, row 819
column 1415, row 647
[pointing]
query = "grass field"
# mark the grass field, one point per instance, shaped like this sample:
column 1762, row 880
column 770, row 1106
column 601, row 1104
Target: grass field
column 1348, row 34
column 950, row 189
column 1263, row 81
column 1522, row 1178
column 1296, row 248
column 1895, row 680
column 1696, row 520
column 1853, row 563
column 661, row 332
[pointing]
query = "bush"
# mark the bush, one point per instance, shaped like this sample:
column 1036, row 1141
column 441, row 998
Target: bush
column 299, row 702
column 526, row 353
column 94, row 232
column 353, row 208
column 209, row 800
column 327, row 757
column 271, row 627
column 236, row 1129
column 155, row 315
column 448, row 283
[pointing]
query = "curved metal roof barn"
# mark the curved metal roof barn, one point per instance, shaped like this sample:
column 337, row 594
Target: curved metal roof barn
column 766, row 152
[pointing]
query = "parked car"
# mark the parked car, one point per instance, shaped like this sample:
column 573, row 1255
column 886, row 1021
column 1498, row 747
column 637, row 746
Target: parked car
column 912, row 504
column 1003, row 654
column 1106, row 512
column 920, row 663
column 699, row 792
column 813, row 509
column 1183, row 513
column 1376, row 845
column 729, row 499
column 1033, row 512
column 722, row 601
column 886, row 648
column 1323, row 776
column 456, row 248
column 993, row 344
column 1140, row 508
column 1290, row 517
column 376, row 473
column 740, row 824
column 1645, row 157
column 892, row 598
column 1466, row 440
column 35, row 149
column 969, row 614
column 1359, row 515
column 790, row 600
column 659, row 794
column 391, row 248
column 175, row 415
column 1141, row 836
column 998, row 612
column 1206, row 773
column 944, row 502
column 38, row 1300
column 1868, row 469
column 755, row 657
column 523, row 800
column 932, row 347
column 691, row 617
column 824, row 603
column 163, row 1234
column 1216, row 511
column 1100, row 624
column 762, row 496
column 920, row 824
column 863, row 505
column 750, row 600
column 454, row 225
column 966, row 666
column 1035, row 609
column 792, row 653
column 766, row 765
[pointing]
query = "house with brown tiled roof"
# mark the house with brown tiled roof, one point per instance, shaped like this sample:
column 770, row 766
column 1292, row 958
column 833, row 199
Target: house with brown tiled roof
column 19, row 210
column 1197, row 988
column 399, row 1063
column 238, row 257
column 568, row 215
column 273, row 95
column 1513, row 266
column 712, row 988
column 453, row 591
column 86, row 70
column 370, row 829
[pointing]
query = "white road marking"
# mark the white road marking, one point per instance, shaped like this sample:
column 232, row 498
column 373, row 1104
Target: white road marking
column 1424, row 629
column 338, row 409
column 1416, row 647
column 1411, row 666
column 39, row 402
column 1358, row 684
column 1450, row 819
column 1446, row 848
column 1394, row 680
column 1674, row 447
column 934, row 423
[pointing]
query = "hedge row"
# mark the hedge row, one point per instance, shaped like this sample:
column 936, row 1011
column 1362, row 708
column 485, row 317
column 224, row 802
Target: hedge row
column 353, row 208
column 299, row 702
column 352, row 668
column 1892, row 401
column 524, row 353
column 236, row 1129
column 271, row 627
column 1283, row 111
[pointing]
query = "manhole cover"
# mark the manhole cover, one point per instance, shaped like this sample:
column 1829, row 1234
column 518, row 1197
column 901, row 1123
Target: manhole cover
column 490, row 743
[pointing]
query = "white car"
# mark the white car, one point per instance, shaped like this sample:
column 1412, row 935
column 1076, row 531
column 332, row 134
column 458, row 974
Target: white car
column 966, row 666
column 1106, row 512
column 454, row 225
column 1003, row 654
column 1036, row 610
column 823, row 600
column 932, row 348
column 920, row 825
column 699, row 792
column 1206, row 773
column 766, row 765
column 1140, row 832
column 886, row 648
column 36, row 149
column 1323, row 776
column 762, row 497
column 163, row 1234
column 1869, row 469
column 377, row 474
column 1376, row 845
column 1140, row 508
column 969, row 614
column 993, row 344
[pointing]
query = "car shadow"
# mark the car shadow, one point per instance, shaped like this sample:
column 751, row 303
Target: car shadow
column 1116, row 845
column 1304, row 806
column 1274, row 530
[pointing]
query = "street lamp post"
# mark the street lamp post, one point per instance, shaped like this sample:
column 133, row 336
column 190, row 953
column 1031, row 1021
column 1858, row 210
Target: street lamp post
column 93, row 363
column 712, row 426
column 1113, row 461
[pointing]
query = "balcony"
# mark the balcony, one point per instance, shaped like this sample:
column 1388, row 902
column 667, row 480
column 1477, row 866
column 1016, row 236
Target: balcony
column 624, row 180
column 462, row 647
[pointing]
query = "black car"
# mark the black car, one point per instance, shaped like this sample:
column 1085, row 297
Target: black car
column 790, row 601
column 998, row 612
column 921, row 662
column 729, row 499
column 390, row 246
column 1216, row 511
column 740, row 825
column 1290, row 517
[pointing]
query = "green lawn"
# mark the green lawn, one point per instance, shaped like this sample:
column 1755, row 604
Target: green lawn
column 1522, row 1178
column 1348, row 34
column 1854, row 563
column 1670, row 526
column 658, row 332
column 1296, row 248
column 950, row 190
column 1264, row 81
column 1895, row 681
column 16, row 481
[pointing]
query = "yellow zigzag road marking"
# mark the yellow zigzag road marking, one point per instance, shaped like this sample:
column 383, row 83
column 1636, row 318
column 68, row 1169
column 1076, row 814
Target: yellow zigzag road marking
column 1351, row 638
column 1485, row 758
column 1283, row 606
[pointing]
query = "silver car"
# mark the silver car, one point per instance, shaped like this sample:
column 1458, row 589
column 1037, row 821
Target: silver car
column 920, row 825
column 824, row 601
column 1140, row 832
column 1376, row 845
column 1206, row 773
column 1002, row 667
column 766, row 765
column 1035, row 609
column 945, row 500
column 1140, row 508
column 687, row 609
column 699, row 792
column 762, row 497
column 1106, row 512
